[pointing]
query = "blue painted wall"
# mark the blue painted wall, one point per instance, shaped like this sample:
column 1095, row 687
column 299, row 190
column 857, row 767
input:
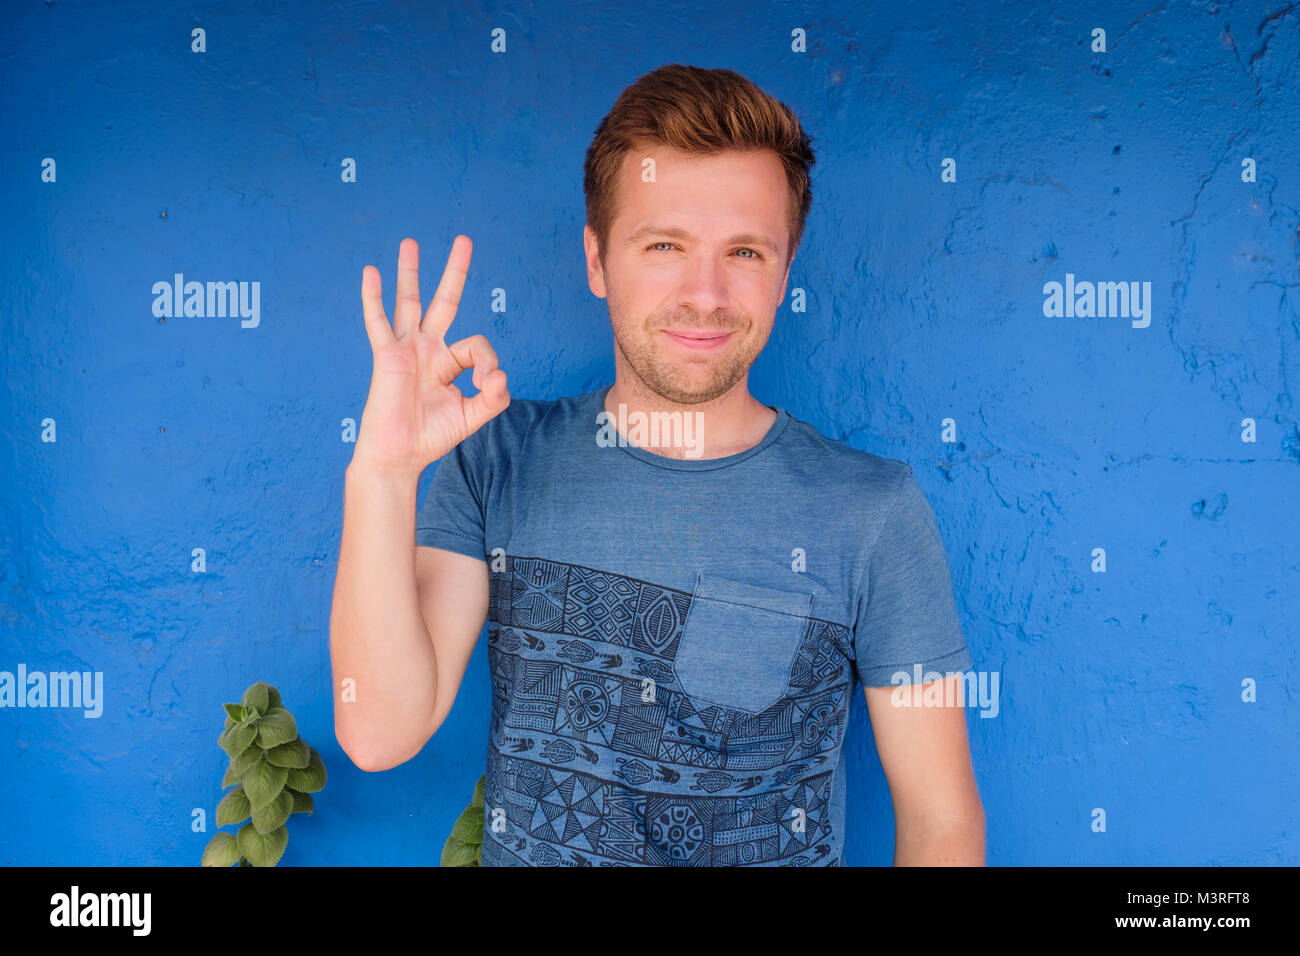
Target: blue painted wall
column 1120, row 690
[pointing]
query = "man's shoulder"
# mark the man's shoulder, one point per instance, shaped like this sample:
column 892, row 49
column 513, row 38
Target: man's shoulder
column 509, row 429
column 837, row 463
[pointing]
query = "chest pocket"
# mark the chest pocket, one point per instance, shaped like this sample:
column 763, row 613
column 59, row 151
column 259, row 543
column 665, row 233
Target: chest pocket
column 739, row 641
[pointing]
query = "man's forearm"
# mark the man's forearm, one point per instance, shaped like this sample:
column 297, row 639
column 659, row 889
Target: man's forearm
column 378, row 639
column 940, row 843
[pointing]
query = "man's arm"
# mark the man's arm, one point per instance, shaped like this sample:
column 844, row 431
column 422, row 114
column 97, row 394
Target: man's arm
column 405, row 618
column 938, row 817
column 403, row 625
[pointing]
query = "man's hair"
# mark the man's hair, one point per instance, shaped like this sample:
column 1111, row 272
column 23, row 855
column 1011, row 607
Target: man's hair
column 703, row 112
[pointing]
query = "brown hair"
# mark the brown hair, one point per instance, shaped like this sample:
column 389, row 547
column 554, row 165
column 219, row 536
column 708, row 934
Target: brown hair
column 703, row 112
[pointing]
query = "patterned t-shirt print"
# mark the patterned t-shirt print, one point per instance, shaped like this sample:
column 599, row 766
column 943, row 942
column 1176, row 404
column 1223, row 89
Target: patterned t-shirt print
column 593, row 762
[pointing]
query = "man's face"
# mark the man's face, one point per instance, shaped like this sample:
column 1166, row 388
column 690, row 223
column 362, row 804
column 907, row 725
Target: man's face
column 690, row 277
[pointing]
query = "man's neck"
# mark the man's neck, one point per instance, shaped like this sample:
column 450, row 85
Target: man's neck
column 727, row 425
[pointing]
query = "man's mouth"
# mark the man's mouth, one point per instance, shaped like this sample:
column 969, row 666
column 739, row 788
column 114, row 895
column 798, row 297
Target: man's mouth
column 698, row 339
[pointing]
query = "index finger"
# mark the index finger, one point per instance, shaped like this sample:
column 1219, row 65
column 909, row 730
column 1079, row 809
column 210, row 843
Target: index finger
column 447, row 299
column 372, row 307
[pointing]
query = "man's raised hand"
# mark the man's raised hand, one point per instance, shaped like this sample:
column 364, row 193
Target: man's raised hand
column 414, row 414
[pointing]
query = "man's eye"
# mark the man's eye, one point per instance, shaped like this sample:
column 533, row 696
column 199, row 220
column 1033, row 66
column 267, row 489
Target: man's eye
column 755, row 252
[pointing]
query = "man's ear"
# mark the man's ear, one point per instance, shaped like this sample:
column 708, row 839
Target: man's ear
column 595, row 275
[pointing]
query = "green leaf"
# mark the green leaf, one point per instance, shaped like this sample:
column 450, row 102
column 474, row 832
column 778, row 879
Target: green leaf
column 240, row 765
column 234, row 807
column 276, row 727
column 229, row 777
column 469, row 826
column 274, row 813
column 229, row 723
column 459, row 853
column 312, row 777
column 262, row 849
column 295, row 754
column 234, row 712
column 220, row 851
column 273, row 696
column 237, row 739
column 257, row 696
column 302, row 802
column 464, row 847
column 263, row 783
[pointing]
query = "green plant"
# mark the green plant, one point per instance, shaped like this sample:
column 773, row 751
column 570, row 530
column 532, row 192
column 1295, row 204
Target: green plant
column 274, row 773
column 465, row 845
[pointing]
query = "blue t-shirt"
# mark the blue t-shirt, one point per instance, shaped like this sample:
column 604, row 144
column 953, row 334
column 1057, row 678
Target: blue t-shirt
column 674, row 643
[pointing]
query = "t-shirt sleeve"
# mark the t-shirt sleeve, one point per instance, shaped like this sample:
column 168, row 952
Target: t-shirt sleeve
column 907, row 615
column 452, row 516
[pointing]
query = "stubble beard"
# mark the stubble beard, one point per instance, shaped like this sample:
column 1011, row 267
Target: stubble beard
column 671, row 381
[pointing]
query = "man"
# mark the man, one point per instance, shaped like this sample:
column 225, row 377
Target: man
column 677, row 617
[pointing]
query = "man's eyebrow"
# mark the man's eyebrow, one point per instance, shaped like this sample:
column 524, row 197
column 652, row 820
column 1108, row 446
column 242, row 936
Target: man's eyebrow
column 744, row 238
